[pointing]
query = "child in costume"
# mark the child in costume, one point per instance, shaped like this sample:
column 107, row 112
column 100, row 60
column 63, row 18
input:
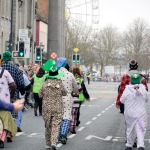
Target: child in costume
column 134, row 98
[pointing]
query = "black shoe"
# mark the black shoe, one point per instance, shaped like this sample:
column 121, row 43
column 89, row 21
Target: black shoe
column 63, row 140
column 1, row 144
column 54, row 147
column 128, row 148
column 78, row 123
column 134, row 145
column 35, row 112
column 141, row 148
column 40, row 114
column 9, row 138
column 19, row 129
column 73, row 132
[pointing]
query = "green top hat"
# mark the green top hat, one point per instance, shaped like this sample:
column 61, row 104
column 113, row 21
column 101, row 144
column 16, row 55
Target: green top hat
column 135, row 78
column 50, row 66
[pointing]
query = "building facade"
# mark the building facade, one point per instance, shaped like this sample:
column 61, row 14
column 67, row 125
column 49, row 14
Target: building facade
column 23, row 17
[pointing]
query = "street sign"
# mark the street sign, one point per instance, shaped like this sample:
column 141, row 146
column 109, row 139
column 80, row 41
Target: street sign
column 15, row 54
column 53, row 55
column 23, row 34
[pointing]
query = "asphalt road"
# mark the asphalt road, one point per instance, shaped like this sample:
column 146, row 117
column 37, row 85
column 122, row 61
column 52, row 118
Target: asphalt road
column 102, row 126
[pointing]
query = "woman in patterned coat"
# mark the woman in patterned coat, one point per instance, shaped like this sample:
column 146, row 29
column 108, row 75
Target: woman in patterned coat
column 52, row 91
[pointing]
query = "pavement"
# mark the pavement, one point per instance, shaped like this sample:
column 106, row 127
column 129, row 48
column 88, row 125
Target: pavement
column 102, row 126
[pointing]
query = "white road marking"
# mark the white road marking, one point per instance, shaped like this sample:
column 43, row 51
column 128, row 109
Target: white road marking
column 81, row 128
column 59, row 145
column 94, row 118
column 90, row 105
column 99, row 115
column 19, row 133
column 115, row 140
column 71, row 136
column 89, row 122
column 106, row 108
column 108, row 138
column 103, row 111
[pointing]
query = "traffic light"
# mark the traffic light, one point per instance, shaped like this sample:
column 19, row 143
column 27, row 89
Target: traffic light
column 21, row 48
column 74, row 58
column 38, row 54
column 6, row 45
column 78, row 58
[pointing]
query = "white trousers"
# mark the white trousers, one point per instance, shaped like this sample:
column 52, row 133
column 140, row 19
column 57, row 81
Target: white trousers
column 137, row 131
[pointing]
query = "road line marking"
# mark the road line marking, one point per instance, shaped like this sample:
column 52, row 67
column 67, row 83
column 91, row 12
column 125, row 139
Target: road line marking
column 81, row 128
column 103, row 111
column 110, row 106
column 89, row 122
column 59, row 145
column 94, row 118
column 106, row 108
column 99, row 115
column 113, row 104
column 71, row 136
column 115, row 140
column 108, row 138
column 19, row 133
column 90, row 105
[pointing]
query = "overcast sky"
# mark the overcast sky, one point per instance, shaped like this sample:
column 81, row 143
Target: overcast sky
column 120, row 13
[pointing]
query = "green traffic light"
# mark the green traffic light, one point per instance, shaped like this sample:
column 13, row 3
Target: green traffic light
column 21, row 54
column 38, row 57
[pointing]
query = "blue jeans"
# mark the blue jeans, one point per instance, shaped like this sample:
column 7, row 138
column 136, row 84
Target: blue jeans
column 19, row 119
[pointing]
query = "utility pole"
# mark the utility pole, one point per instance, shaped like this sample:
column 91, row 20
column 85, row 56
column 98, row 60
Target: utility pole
column 11, row 28
column 56, row 20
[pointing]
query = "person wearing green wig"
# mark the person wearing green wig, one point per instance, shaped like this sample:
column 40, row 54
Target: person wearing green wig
column 51, row 92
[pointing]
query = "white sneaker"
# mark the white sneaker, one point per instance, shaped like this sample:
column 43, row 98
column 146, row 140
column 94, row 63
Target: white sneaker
column 48, row 147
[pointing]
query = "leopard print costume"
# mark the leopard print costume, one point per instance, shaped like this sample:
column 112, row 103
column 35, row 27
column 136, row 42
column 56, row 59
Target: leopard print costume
column 52, row 91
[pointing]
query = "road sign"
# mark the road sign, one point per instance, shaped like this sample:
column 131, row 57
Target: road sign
column 23, row 34
column 15, row 54
column 53, row 55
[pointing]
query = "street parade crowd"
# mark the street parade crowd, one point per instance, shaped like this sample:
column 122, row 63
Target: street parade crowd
column 58, row 93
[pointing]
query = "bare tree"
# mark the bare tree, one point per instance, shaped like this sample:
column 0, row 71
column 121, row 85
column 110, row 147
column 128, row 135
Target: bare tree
column 78, row 36
column 106, row 46
column 137, row 41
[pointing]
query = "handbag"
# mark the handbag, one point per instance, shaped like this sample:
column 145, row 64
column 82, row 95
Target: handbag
column 81, row 97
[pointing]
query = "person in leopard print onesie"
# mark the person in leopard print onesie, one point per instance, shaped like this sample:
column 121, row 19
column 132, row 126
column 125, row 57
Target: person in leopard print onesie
column 52, row 91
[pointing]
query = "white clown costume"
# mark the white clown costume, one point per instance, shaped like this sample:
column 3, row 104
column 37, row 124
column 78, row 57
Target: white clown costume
column 134, row 98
